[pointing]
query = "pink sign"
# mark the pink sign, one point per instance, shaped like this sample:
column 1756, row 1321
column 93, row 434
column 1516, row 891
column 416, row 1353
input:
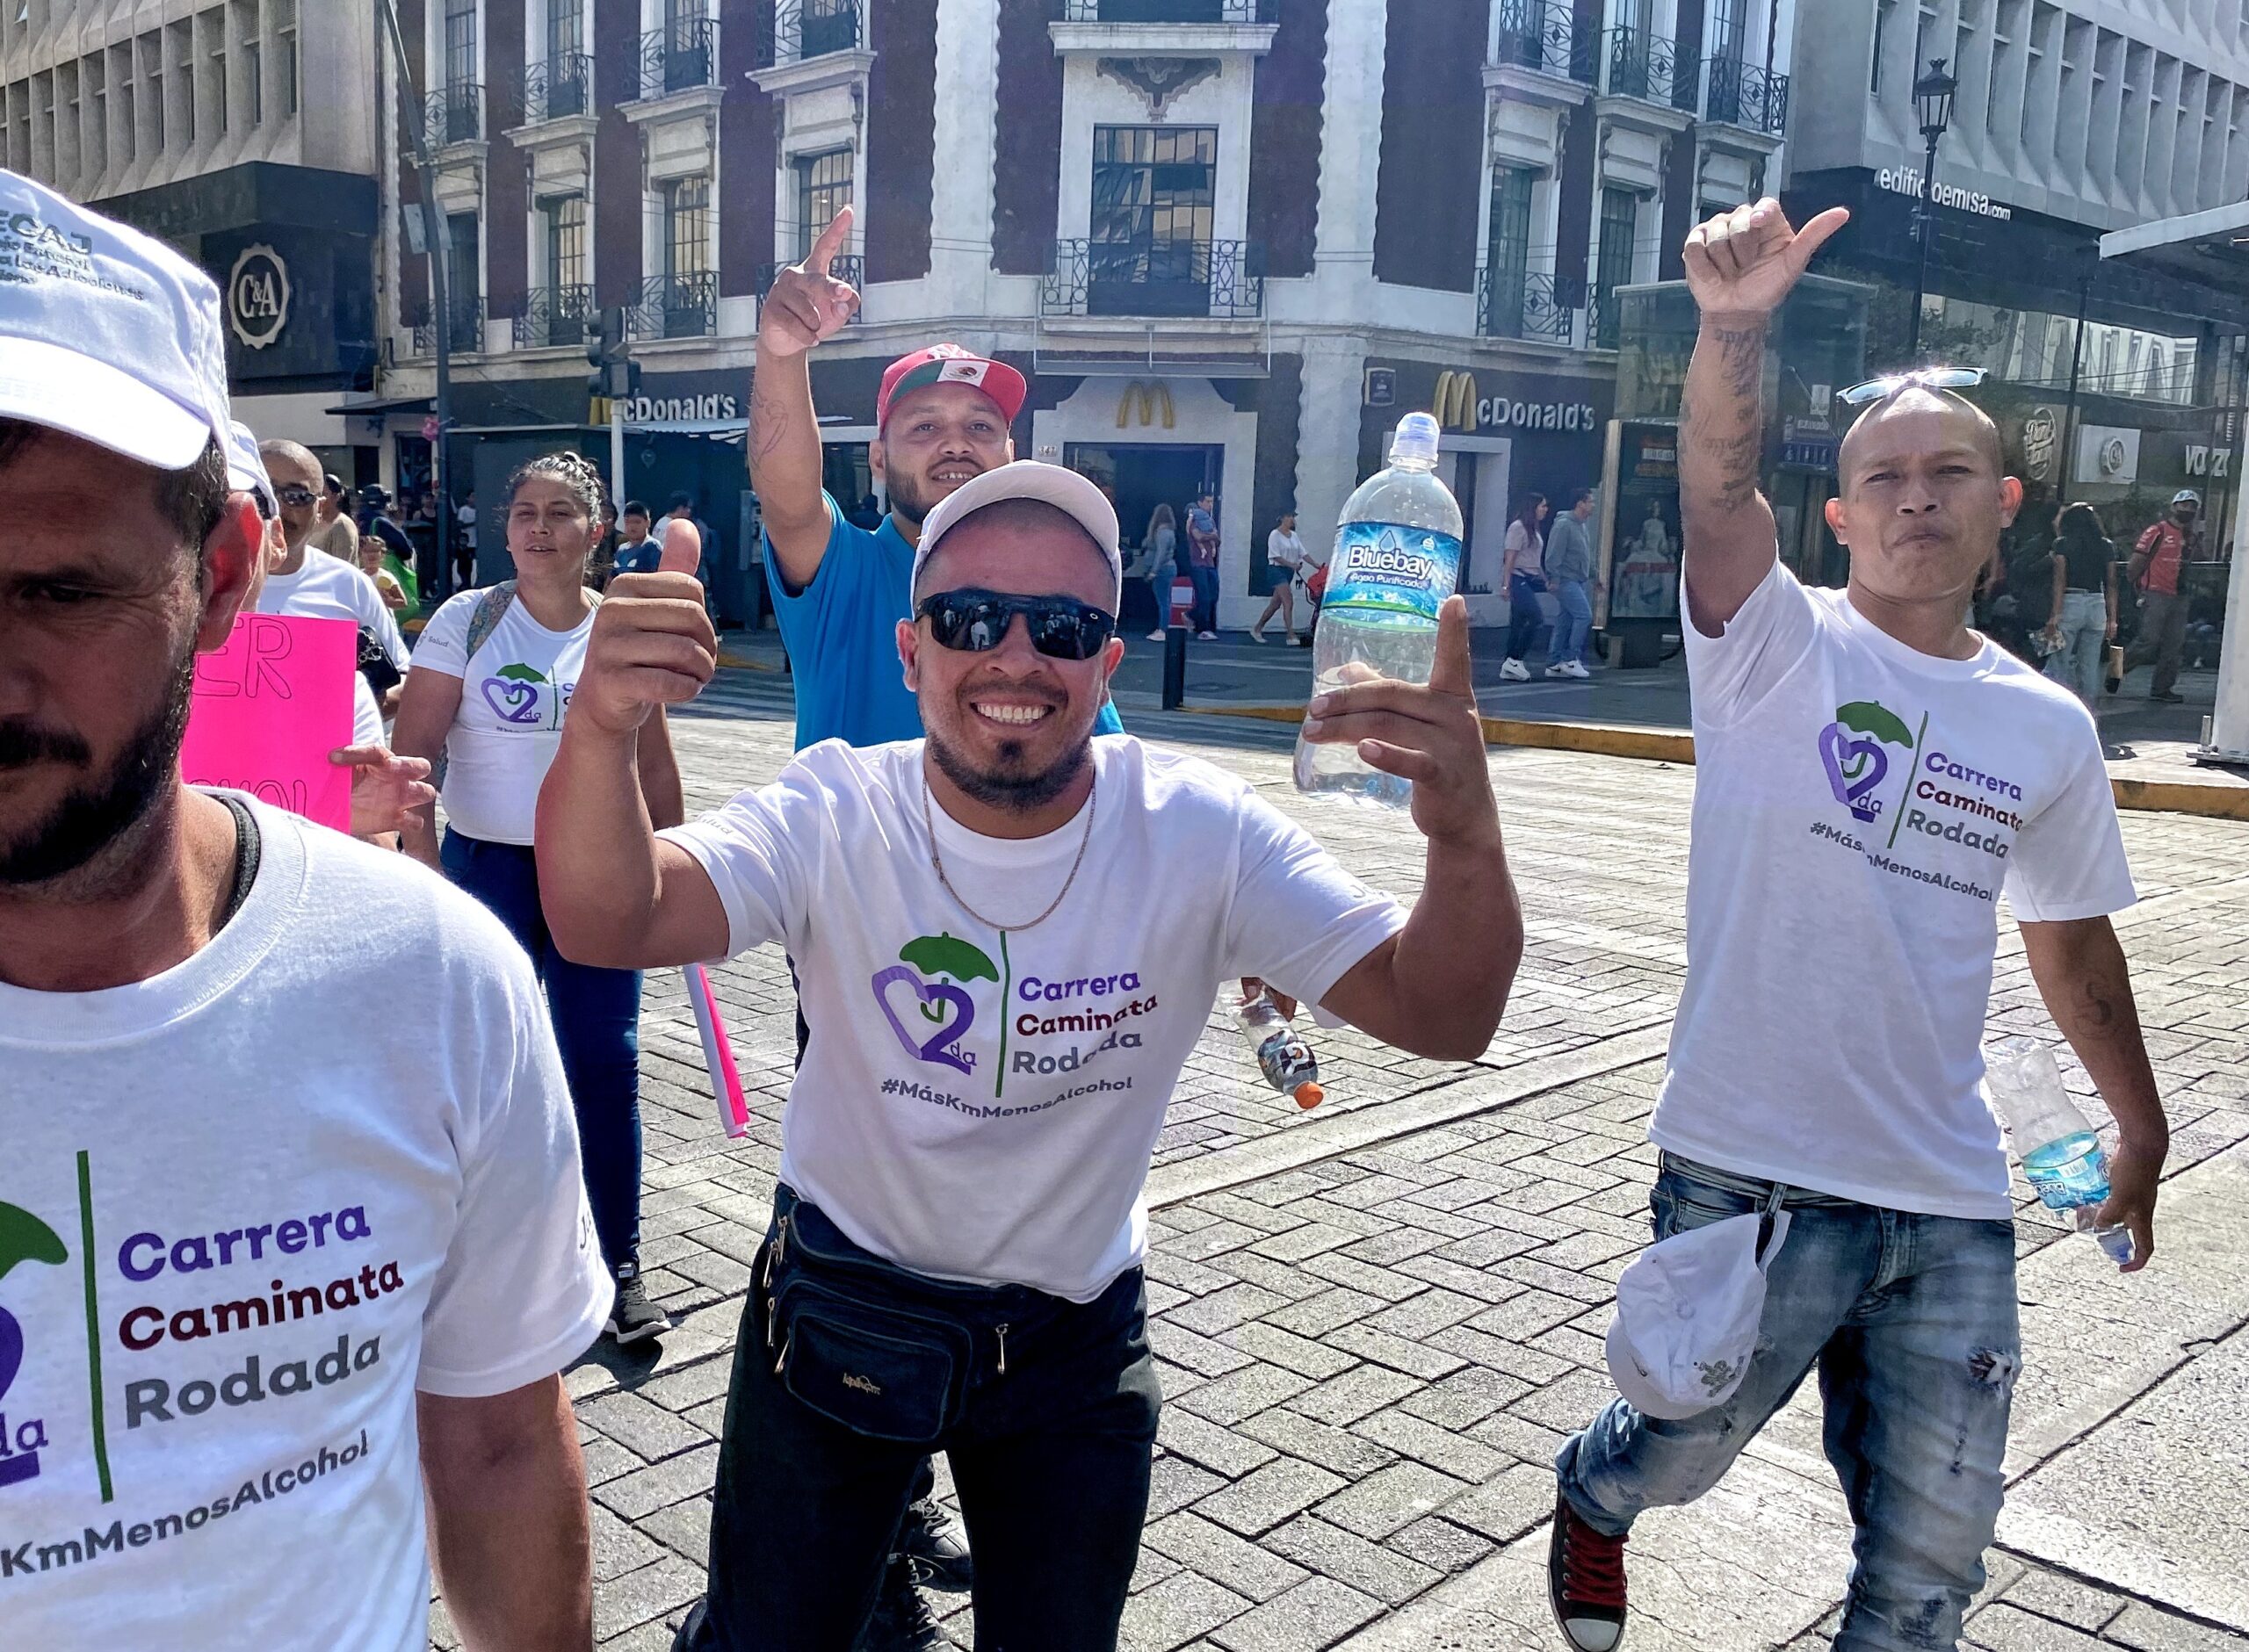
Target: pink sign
column 268, row 710
column 717, row 1053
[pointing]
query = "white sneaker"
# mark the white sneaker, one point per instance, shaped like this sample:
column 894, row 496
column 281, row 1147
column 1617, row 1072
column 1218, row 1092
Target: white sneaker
column 1155, row 636
column 1207, row 636
column 1255, row 635
column 1559, row 668
column 1576, row 669
column 1515, row 671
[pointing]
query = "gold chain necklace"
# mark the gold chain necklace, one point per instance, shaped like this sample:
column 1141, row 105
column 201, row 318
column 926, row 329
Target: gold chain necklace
column 938, row 860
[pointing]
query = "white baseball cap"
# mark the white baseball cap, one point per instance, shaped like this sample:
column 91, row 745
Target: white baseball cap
column 105, row 333
column 1687, row 1316
column 246, row 469
column 1028, row 479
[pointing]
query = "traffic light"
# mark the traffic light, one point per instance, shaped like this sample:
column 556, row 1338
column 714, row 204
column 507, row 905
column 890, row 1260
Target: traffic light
column 616, row 375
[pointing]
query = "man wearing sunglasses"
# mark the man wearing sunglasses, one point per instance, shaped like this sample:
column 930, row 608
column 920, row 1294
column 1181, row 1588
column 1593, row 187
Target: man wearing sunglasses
column 309, row 583
column 998, row 1022
column 1869, row 776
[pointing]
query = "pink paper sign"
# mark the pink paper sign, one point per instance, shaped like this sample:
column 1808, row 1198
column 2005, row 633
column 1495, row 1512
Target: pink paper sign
column 269, row 707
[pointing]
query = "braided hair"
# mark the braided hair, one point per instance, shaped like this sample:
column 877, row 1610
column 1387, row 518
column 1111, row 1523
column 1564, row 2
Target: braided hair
column 574, row 470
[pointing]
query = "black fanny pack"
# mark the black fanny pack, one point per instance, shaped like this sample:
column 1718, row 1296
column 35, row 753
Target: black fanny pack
column 884, row 1351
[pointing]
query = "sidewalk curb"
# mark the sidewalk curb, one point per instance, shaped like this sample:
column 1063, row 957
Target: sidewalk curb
column 1671, row 746
column 729, row 661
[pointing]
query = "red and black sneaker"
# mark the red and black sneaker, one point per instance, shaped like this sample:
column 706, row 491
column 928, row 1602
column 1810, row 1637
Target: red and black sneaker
column 1584, row 1582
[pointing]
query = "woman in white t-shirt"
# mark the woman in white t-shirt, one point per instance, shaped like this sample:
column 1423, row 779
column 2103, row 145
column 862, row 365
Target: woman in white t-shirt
column 1286, row 557
column 491, row 683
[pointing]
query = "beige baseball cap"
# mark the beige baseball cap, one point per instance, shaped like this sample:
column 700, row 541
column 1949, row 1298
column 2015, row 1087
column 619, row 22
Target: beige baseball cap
column 1053, row 485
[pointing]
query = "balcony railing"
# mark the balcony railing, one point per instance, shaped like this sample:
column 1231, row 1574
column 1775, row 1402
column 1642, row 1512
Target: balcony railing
column 454, row 114
column 559, row 88
column 1539, row 307
column 556, row 315
column 1223, row 280
column 1168, row 11
column 466, row 334
column 678, row 57
column 1744, row 95
column 848, row 267
column 1649, row 67
column 791, row 31
column 675, row 307
column 1545, row 35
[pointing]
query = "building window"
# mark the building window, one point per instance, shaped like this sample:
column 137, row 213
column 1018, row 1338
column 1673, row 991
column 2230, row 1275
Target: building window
column 253, row 58
column 1507, row 250
column 1149, row 250
column 460, row 42
column 285, row 36
column 1620, row 221
column 120, row 75
column 823, row 189
column 464, row 280
column 1883, row 12
column 213, row 26
column 1722, row 32
column 687, row 227
column 566, row 29
column 566, row 241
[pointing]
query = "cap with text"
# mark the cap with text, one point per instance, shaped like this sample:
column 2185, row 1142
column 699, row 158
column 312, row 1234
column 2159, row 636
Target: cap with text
column 950, row 364
column 1028, row 479
column 105, row 333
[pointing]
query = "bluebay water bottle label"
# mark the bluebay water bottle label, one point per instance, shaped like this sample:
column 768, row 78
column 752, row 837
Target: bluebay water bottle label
column 1383, row 568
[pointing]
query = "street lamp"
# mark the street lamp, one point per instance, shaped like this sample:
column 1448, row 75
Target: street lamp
column 1932, row 104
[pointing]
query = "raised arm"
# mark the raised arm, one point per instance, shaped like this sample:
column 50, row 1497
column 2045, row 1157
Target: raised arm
column 1740, row 266
column 613, row 894
column 1437, row 987
column 806, row 306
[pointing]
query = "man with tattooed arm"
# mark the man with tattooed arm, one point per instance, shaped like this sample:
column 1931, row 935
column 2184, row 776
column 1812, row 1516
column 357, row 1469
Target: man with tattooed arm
column 1870, row 775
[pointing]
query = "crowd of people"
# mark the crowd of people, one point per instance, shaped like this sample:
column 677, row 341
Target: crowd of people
column 398, row 1077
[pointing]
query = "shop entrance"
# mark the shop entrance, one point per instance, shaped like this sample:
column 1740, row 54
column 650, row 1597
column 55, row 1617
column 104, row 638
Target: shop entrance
column 1139, row 477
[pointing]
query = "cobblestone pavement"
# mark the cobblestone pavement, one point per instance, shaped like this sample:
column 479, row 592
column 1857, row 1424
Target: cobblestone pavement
column 1378, row 1321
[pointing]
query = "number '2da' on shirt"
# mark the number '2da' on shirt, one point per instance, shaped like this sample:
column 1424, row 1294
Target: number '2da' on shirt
column 1859, row 808
column 980, row 1106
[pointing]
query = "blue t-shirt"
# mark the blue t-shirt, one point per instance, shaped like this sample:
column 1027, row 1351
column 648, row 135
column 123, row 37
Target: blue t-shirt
column 644, row 558
column 841, row 634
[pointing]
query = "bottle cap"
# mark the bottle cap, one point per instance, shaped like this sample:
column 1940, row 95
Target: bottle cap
column 1310, row 1095
column 1416, row 439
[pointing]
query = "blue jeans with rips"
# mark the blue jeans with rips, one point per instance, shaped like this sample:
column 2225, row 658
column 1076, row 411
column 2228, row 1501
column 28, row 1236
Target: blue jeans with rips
column 1911, row 1322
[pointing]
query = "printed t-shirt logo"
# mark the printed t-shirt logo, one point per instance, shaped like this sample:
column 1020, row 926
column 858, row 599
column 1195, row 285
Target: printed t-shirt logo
column 23, row 1238
column 929, row 966
column 513, row 694
column 1852, row 750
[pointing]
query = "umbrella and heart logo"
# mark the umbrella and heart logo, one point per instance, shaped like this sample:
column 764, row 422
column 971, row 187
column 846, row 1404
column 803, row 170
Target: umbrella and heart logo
column 1851, row 749
column 513, row 693
column 937, row 1012
column 23, row 1238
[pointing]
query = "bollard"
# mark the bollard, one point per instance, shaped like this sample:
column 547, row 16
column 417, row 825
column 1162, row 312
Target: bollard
column 1175, row 666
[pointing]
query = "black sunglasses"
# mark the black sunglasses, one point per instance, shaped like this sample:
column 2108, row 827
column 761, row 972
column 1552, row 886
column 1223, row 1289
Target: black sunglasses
column 1925, row 377
column 295, row 496
column 972, row 621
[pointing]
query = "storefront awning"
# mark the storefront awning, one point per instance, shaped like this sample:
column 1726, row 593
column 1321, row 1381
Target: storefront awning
column 382, row 405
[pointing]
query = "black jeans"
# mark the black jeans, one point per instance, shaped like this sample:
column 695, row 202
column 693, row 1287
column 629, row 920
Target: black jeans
column 1051, row 1460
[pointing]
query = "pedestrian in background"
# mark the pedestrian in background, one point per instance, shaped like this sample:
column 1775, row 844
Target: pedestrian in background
column 2157, row 562
column 1523, row 577
column 1284, row 558
column 1569, row 565
column 332, row 529
column 2083, row 602
column 1163, row 563
column 492, row 682
column 1203, row 563
column 636, row 552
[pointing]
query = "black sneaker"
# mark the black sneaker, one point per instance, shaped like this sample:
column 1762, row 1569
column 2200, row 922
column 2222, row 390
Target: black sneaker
column 1584, row 1582
column 634, row 1319
column 931, row 1543
column 902, row 1621
column 2168, row 698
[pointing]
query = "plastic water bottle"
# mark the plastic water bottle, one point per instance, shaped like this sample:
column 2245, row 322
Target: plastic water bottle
column 2060, row 1152
column 1283, row 1056
column 1396, row 559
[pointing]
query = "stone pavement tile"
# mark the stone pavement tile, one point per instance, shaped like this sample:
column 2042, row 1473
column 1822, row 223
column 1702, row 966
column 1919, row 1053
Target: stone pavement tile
column 1414, row 1227
column 1438, row 1543
column 1222, row 1450
column 684, row 1528
column 684, row 1390
column 1174, row 1483
column 1284, row 1279
column 1499, row 1354
column 1339, row 1269
column 655, row 1635
column 1317, row 1316
column 1286, row 1349
column 1463, row 1399
column 639, row 1596
column 1228, row 1399
column 1316, row 1613
column 1568, row 1403
column 1223, row 1309
column 1427, row 1314
column 1216, row 1553
column 1506, row 1505
column 1214, row 1239
column 1391, row 1498
column 1199, row 1353
column 1249, row 1213
column 2146, row 1629
column 619, row 1547
column 1526, row 1314
column 1266, row 1497
column 1358, row 1392
column 641, row 1425
column 2001, row 1627
column 1333, row 1448
column 1440, row 1448
column 2050, row 1594
column 1523, row 1439
column 1480, row 1283
column 1178, row 1609
column 1420, row 1359
column 645, row 1490
column 1371, row 1569
column 1309, row 1238
column 606, row 1459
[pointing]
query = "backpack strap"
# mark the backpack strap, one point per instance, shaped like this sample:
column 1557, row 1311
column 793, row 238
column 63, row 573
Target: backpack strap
column 491, row 608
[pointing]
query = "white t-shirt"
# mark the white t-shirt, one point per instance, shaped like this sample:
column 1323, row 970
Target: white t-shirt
column 329, row 588
column 1527, row 546
column 367, row 713
column 1285, row 550
column 1858, row 808
column 328, row 1161
column 510, row 725
column 982, row 1107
